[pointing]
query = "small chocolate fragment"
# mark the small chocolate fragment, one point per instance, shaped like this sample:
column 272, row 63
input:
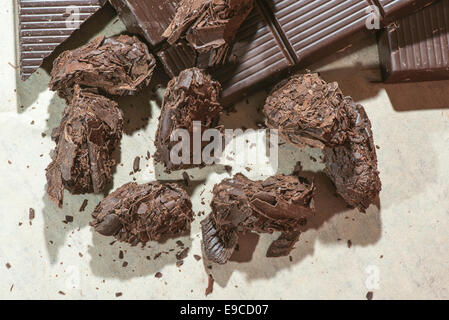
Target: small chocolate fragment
column 309, row 111
column 116, row 66
column 279, row 203
column 140, row 213
column 90, row 130
column 191, row 97
column 284, row 244
column 209, row 26
column 136, row 164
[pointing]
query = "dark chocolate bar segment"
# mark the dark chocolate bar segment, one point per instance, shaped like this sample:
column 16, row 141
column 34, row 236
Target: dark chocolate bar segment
column 315, row 28
column 148, row 18
column 392, row 10
column 416, row 48
column 45, row 24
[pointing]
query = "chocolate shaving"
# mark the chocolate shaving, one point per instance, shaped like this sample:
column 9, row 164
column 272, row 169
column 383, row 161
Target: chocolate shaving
column 309, row 111
column 116, row 66
column 209, row 26
column 279, row 203
column 140, row 213
column 90, row 130
column 192, row 96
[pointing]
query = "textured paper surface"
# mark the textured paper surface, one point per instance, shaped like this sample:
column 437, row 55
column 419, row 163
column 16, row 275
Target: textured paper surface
column 403, row 244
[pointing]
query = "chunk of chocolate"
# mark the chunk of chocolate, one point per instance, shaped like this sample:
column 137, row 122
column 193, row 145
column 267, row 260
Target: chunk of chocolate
column 416, row 48
column 308, row 111
column 115, row 66
column 353, row 166
column 90, row 130
column 279, row 203
column 45, row 24
column 209, row 26
column 192, row 96
column 140, row 213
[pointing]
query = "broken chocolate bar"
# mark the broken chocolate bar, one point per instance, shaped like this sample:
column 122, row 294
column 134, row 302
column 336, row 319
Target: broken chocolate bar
column 416, row 48
column 309, row 111
column 392, row 10
column 45, row 24
column 91, row 128
column 140, row 213
column 192, row 96
column 209, row 26
column 115, row 66
column 279, row 203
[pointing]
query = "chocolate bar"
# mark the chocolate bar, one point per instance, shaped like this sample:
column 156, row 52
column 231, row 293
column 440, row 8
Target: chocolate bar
column 416, row 48
column 45, row 24
column 391, row 10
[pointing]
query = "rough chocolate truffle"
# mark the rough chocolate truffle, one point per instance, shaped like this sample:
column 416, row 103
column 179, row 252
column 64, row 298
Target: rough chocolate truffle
column 117, row 66
column 140, row 213
column 279, row 203
column 192, row 96
column 209, row 26
column 90, row 130
column 309, row 111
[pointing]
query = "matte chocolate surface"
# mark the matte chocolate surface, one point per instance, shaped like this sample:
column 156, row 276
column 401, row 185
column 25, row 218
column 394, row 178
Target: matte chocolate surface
column 45, row 24
column 309, row 111
column 140, row 213
column 416, row 48
column 115, row 66
column 279, row 203
column 148, row 18
column 90, row 130
column 192, row 96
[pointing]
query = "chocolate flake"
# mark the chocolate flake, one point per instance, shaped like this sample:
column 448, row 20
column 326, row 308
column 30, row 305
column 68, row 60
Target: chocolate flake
column 182, row 254
column 210, row 285
column 279, row 203
column 158, row 275
column 116, row 66
column 83, row 205
column 140, row 213
column 136, row 164
column 31, row 214
column 369, row 295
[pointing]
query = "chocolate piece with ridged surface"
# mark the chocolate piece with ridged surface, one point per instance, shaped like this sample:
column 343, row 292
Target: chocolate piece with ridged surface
column 45, row 24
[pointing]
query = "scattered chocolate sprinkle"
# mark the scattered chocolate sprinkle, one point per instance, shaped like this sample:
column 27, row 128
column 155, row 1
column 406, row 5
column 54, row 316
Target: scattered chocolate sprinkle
column 182, row 254
column 136, row 164
column 83, row 205
column 31, row 214
column 210, row 286
column 61, row 293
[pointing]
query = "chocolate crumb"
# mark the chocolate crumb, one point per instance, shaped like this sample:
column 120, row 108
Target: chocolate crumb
column 118, row 294
column 179, row 263
column 125, row 264
column 158, row 275
column 8, row 265
column 83, row 205
column 179, row 243
column 349, row 243
column 186, row 178
column 369, row 295
column 136, row 164
column 120, row 254
column 182, row 254
column 31, row 214
column 197, row 257
column 210, row 286
column 69, row 218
